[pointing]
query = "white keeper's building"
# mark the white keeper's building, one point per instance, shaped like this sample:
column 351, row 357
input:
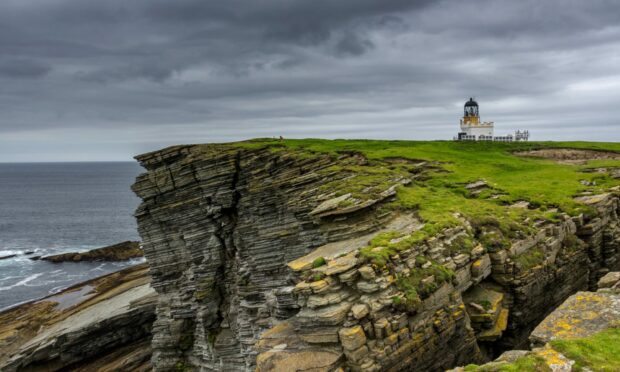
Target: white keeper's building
column 472, row 129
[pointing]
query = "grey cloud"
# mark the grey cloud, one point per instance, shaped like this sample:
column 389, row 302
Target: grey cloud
column 352, row 45
column 23, row 68
column 147, row 73
column 150, row 71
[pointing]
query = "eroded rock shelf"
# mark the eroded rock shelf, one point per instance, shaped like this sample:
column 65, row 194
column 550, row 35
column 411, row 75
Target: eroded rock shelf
column 259, row 263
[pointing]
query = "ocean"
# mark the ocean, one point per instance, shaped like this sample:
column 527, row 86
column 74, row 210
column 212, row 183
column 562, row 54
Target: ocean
column 50, row 208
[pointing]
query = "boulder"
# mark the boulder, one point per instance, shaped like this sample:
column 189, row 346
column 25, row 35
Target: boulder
column 481, row 268
column 352, row 338
column 359, row 311
column 581, row 315
column 609, row 280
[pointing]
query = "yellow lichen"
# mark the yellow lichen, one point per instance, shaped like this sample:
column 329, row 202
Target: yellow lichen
column 554, row 359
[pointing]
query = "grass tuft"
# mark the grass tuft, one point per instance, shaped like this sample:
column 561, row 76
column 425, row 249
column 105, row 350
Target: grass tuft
column 318, row 262
column 600, row 352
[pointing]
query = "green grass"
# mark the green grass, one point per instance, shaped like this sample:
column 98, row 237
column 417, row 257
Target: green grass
column 440, row 170
column 381, row 248
column 571, row 243
column 600, row 352
column 362, row 182
column 438, row 194
column 486, row 304
column 530, row 363
column 182, row 366
column 318, row 262
column 461, row 244
column 542, row 182
column 414, row 291
column 531, row 258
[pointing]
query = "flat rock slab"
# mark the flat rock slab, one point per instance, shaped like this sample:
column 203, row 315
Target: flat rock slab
column 403, row 223
column 282, row 348
column 104, row 321
column 609, row 280
column 117, row 252
column 594, row 199
column 570, row 156
column 582, row 315
column 318, row 360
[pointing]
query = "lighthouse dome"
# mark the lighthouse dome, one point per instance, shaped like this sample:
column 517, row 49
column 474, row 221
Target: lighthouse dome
column 471, row 108
column 471, row 103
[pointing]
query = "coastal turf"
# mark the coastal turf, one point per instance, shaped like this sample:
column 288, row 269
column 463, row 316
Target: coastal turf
column 438, row 194
column 544, row 183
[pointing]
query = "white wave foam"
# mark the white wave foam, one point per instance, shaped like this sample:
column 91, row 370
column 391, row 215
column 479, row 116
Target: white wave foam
column 98, row 268
column 10, row 252
column 57, row 289
column 24, row 282
column 130, row 262
column 9, row 278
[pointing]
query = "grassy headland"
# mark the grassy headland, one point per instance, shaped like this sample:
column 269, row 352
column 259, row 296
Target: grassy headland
column 502, row 195
column 544, row 183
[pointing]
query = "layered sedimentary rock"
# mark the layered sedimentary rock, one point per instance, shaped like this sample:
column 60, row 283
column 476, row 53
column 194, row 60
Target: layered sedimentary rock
column 103, row 324
column 219, row 225
column 581, row 319
column 259, row 261
column 117, row 252
column 572, row 256
column 353, row 312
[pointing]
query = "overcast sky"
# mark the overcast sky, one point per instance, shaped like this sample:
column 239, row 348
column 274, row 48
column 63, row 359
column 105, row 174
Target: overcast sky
column 105, row 80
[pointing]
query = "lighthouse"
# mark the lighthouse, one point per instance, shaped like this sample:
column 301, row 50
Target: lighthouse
column 472, row 128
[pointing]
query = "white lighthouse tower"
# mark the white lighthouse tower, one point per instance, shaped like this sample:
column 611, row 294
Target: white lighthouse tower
column 472, row 128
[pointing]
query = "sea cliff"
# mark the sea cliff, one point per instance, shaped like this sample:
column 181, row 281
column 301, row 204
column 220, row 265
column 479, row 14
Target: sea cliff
column 368, row 255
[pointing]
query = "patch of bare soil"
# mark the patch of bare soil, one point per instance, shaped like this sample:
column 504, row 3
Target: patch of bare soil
column 570, row 156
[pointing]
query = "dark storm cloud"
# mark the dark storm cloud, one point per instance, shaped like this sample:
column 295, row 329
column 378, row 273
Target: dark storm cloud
column 97, row 80
column 23, row 68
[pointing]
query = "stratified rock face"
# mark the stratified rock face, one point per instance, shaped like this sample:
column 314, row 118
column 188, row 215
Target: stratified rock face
column 577, row 253
column 257, row 262
column 581, row 317
column 218, row 226
column 117, row 252
column 350, row 313
column 103, row 324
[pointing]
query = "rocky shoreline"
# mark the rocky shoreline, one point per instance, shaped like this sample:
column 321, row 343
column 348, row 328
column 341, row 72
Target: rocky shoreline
column 254, row 262
column 117, row 252
column 103, row 324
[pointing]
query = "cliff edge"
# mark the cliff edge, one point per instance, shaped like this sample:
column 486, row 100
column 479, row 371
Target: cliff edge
column 365, row 255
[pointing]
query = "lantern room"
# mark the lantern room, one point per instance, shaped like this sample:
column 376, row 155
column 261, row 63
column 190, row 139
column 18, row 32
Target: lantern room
column 471, row 108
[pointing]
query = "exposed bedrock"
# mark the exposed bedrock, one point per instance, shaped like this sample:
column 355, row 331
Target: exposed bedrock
column 577, row 335
column 577, row 253
column 117, row 252
column 103, row 324
column 219, row 226
column 257, row 264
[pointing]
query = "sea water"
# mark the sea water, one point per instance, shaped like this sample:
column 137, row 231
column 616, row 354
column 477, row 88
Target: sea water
column 51, row 208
